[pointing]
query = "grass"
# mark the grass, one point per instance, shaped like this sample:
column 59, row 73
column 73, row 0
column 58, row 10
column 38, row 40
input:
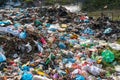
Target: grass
column 118, row 41
column 114, row 14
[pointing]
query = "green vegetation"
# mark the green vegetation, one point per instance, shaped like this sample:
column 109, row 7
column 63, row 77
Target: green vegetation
column 28, row 0
column 63, row 2
column 93, row 5
column 115, row 14
column 2, row 2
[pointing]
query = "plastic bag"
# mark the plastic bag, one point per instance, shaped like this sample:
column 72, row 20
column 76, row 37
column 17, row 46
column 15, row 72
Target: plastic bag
column 26, row 68
column 107, row 31
column 23, row 35
column 94, row 70
column 2, row 57
column 86, row 21
column 29, row 47
column 27, row 76
column 64, row 25
column 62, row 45
column 40, row 49
column 114, row 46
column 79, row 77
column 108, row 56
column 37, row 23
column 48, row 25
column 43, row 41
column 17, row 25
column 52, row 29
column 62, row 38
column 36, row 77
column 40, row 27
column 50, row 57
column 88, row 31
column 66, row 60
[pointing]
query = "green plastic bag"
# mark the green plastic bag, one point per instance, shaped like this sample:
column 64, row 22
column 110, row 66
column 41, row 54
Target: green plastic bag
column 37, row 23
column 52, row 57
column 84, row 45
column 108, row 56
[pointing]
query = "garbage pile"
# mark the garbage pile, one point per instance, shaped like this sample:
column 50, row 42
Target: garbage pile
column 55, row 44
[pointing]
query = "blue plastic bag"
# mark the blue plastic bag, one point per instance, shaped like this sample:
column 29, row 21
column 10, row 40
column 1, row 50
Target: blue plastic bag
column 52, row 29
column 26, row 68
column 48, row 25
column 61, row 45
column 107, row 31
column 83, row 38
column 86, row 21
column 40, row 27
column 27, row 76
column 2, row 57
column 71, row 60
column 73, row 41
column 23, row 35
column 67, row 60
column 4, row 23
column 17, row 25
column 88, row 31
column 63, row 38
column 79, row 77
